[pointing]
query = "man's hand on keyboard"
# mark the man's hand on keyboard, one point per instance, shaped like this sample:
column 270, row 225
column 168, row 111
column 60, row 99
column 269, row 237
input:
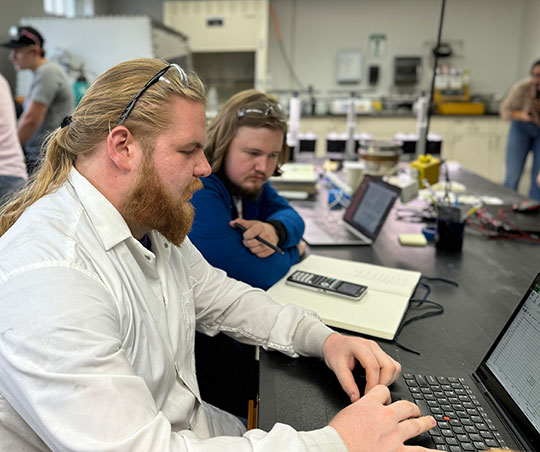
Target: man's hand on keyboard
column 342, row 354
column 370, row 424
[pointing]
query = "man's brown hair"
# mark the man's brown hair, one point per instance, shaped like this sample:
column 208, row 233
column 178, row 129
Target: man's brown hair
column 249, row 108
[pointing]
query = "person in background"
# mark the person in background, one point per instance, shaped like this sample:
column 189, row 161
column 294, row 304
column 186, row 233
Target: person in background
column 246, row 145
column 50, row 97
column 522, row 107
column 101, row 293
column 12, row 168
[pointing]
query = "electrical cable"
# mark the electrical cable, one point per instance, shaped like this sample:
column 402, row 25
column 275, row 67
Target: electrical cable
column 428, row 290
column 496, row 227
column 288, row 63
column 439, row 309
column 448, row 281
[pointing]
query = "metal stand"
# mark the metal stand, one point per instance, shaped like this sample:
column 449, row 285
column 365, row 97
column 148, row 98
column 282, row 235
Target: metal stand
column 431, row 91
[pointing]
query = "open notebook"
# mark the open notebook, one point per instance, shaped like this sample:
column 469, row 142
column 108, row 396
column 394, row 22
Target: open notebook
column 378, row 313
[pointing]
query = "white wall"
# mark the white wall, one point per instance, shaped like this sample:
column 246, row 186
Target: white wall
column 530, row 36
column 487, row 34
column 501, row 37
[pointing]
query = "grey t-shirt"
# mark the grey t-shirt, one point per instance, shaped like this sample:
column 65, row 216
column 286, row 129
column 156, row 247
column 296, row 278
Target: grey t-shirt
column 50, row 87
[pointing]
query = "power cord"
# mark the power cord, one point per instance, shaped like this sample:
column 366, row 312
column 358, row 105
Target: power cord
column 496, row 227
column 438, row 309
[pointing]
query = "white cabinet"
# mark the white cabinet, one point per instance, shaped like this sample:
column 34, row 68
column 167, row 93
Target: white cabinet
column 477, row 143
column 228, row 26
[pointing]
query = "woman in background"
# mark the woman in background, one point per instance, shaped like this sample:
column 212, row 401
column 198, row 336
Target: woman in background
column 522, row 107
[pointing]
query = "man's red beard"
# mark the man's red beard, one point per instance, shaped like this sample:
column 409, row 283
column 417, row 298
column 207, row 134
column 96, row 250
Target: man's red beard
column 148, row 204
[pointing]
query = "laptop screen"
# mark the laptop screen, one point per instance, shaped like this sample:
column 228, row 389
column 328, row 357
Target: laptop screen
column 511, row 369
column 371, row 205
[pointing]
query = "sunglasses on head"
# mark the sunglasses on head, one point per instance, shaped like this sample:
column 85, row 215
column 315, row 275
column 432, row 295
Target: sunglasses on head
column 260, row 110
column 156, row 78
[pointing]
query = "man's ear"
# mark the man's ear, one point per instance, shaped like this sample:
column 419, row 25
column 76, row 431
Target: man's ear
column 121, row 148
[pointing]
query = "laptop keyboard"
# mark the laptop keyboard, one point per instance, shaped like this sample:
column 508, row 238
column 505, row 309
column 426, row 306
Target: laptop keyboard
column 462, row 423
column 336, row 229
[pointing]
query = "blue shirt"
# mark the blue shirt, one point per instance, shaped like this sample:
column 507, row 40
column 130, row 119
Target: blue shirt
column 222, row 245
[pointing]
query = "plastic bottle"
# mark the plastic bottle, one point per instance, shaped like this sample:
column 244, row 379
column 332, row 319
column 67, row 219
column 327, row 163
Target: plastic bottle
column 350, row 145
column 294, row 123
column 421, row 124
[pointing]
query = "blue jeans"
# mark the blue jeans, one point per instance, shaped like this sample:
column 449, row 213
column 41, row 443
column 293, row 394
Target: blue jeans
column 523, row 137
column 9, row 185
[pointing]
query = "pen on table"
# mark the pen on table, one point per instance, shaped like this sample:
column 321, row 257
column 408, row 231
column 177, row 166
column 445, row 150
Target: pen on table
column 469, row 213
column 260, row 239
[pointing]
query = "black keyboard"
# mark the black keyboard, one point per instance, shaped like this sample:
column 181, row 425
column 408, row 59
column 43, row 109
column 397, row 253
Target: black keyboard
column 462, row 423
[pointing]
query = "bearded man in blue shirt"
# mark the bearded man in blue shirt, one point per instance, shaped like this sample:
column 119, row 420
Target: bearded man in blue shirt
column 246, row 145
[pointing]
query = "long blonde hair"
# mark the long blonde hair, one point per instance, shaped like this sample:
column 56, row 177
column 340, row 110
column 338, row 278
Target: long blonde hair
column 97, row 113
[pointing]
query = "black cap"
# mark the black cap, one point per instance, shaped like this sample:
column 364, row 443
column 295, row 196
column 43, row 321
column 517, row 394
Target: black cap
column 23, row 37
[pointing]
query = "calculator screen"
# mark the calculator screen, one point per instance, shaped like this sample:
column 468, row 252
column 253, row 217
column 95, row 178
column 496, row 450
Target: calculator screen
column 350, row 289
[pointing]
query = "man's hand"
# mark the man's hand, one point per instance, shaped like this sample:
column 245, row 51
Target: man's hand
column 341, row 354
column 301, row 247
column 371, row 425
column 261, row 229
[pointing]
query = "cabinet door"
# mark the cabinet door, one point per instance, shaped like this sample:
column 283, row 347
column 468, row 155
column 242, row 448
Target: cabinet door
column 473, row 153
column 498, row 149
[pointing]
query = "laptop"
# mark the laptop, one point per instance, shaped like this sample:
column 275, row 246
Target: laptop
column 362, row 220
column 498, row 406
column 503, row 394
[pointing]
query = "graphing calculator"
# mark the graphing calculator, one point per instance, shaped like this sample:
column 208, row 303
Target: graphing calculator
column 332, row 286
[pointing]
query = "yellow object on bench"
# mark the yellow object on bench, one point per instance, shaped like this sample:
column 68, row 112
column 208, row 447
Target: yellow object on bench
column 412, row 239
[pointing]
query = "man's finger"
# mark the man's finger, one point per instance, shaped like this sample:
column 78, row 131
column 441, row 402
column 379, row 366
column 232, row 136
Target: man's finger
column 381, row 393
column 348, row 383
column 404, row 409
column 414, row 427
column 371, row 366
column 389, row 372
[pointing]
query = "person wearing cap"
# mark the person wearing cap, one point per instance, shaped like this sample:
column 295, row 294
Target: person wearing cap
column 50, row 98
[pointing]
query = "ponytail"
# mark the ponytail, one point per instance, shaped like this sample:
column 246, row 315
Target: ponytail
column 98, row 111
column 52, row 173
